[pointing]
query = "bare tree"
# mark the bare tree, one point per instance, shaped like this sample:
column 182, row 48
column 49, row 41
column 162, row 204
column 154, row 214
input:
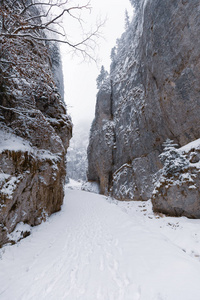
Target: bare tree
column 27, row 30
column 42, row 21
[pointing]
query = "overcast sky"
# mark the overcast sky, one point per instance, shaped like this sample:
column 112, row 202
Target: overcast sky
column 80, row 78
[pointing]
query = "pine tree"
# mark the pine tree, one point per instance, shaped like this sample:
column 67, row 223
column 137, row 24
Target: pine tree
column 127, row 20
column 102, row 76
column 173, row 160
column 135, row 3
column 113, row 54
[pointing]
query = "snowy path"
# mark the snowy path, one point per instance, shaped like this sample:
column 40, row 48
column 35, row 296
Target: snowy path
column 93, row 250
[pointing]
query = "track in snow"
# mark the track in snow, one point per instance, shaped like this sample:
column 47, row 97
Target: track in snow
column 92, row 250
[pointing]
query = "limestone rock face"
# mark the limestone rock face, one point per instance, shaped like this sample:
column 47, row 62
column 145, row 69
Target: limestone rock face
column 154, row 83
column 100, row 149
column 34, row 133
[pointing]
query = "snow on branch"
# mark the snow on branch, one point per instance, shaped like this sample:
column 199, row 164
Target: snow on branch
column 45, row 21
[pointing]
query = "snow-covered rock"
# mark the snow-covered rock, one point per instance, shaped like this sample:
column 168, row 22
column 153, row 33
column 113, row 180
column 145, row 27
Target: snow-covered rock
column 177, row 188
column 34, row 128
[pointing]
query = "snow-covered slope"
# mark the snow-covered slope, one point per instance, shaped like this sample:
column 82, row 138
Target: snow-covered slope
column 98, row 248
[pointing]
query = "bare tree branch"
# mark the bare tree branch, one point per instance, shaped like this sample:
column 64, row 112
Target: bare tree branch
column 51, row 4
column 31, row 18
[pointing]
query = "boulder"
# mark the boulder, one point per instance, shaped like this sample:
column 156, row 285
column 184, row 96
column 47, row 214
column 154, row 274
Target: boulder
column 177, row 190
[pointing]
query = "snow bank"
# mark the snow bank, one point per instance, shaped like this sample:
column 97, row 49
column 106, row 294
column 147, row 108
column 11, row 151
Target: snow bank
column 22, row 230
column 12, row 142
column 90, row 186
column 9, row 141
column 193, row 145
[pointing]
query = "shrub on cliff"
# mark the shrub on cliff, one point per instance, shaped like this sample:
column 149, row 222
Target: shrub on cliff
column 173, row 160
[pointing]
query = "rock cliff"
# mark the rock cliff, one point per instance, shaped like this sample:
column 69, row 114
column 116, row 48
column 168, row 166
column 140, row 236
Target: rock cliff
column 34, row 129
column 152, row 94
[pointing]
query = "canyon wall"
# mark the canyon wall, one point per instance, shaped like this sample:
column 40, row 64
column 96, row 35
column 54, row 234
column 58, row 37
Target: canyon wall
column 152, row 93
column 35, row 128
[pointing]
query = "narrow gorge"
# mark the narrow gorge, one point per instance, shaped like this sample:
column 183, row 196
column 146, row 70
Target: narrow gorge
column 145, row 138
column 125, row 225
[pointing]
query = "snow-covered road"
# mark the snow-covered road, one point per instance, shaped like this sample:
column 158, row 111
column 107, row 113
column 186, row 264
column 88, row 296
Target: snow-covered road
column 93, row 249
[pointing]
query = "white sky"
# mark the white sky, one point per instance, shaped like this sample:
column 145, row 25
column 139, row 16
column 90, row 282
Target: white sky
column 80, row 77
